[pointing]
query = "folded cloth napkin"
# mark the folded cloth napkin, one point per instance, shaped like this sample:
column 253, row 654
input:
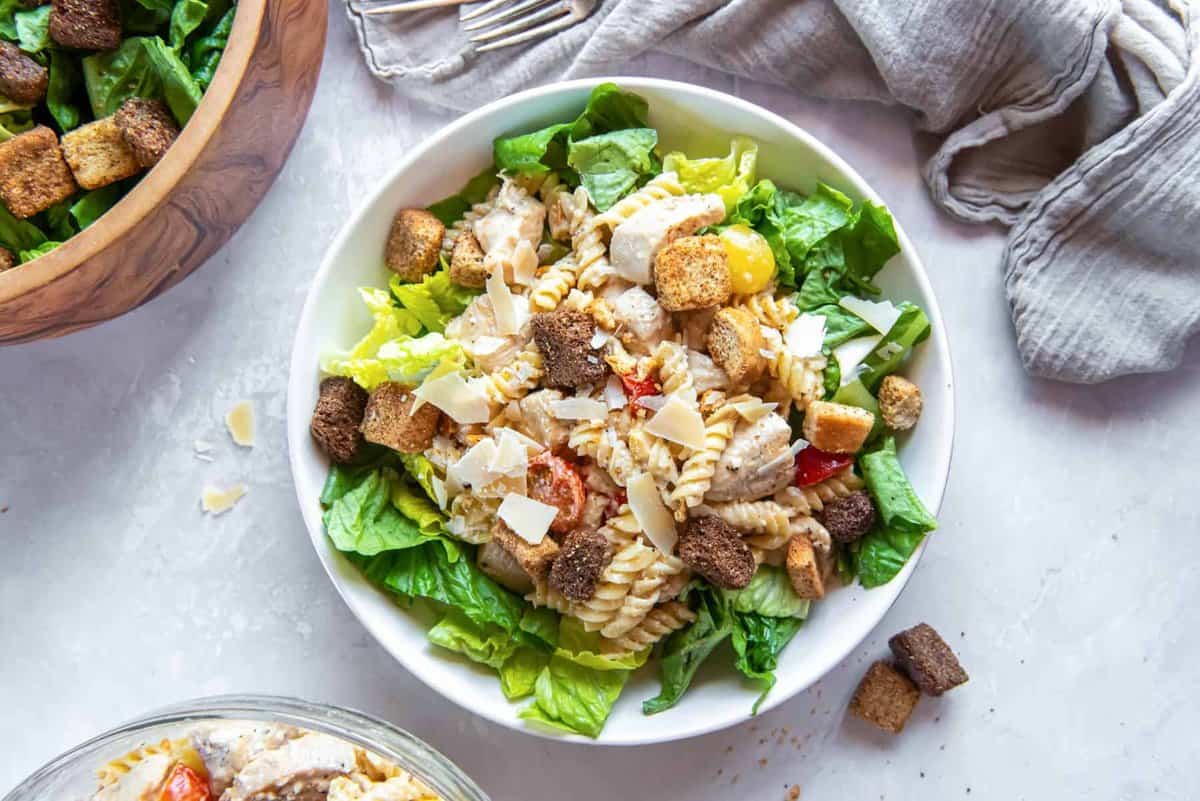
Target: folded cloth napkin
column 1074, row 122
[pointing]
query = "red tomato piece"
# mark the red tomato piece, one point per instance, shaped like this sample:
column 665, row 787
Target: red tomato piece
column 185, row 784
column 636, row 388
column 556, row 482
column 814, row 466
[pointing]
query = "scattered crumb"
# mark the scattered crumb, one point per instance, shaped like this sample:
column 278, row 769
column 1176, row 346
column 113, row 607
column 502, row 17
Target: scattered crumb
column 215, row 501
column 793, row 793
column 240, row 422
column 202, row 446
column 204, row 457
column 3, row 509
column 762, row 763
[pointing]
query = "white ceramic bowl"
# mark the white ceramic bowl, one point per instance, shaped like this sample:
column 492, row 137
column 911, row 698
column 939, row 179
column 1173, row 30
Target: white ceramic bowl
column 699, row 121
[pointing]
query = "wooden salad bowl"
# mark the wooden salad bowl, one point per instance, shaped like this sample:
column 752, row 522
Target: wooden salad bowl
column 193, row 200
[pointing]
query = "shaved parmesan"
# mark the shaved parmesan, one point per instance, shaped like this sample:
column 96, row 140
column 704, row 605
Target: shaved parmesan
column 678, row 421
column 215, row 501
column 652, row 402
column 805, row 335
column 511, row 458
column 529, row 519
column 614, row 393
column 651, row 513
column 473, row 468
column 463, row 401
column 579, row 409
column 787, row 457
column 485, row 346
column 600, row 338
column 240, row 422
column 439, row 492
column 850, row 354
column 753, row 409
column 881, row 315
column 503, row 304
column 530, row 444
column 524, row 263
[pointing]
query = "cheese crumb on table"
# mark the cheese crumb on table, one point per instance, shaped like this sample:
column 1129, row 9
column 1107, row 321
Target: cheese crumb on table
column 240, row 422
column 215, row 500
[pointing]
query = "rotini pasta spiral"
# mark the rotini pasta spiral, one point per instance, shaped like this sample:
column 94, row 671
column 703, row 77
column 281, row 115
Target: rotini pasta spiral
column 674, row 373
column 812, row 499
column 616, row 582
column 697, row 472
column 803, row 377
column 515, row 380
column 554, row 284
column 658, row 623
column 643, row 594
column 597, row 440
column 755, row 517
column 660, row 187
column 769, row 310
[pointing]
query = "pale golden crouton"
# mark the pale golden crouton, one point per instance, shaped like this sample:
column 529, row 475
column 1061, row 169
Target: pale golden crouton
column 466, row 262
column 98, row 154
column 900, row 403
column 33, row 175
column 692, row 273
column 535, row 560
column 8, row 259
column 836, row 427
column 735, row 342
column 390, row 421
column 885, row 698
column 414, row 244
column 804, row 569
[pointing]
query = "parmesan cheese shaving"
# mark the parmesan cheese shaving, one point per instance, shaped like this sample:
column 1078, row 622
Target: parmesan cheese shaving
column 753, row 409
column 215, row 501
column 881, row 315
column 787, row 457
column 472, row 469
column 652, row 402
column 463, row 401
column 240, row 422
column 678, row 421
column 851, row 353
column 579, row 409
column 805, row 335
column 529, row 519
column 511, row 458
column 524, row 263
column 614, row 393
column 503, row 305
column 651, row 513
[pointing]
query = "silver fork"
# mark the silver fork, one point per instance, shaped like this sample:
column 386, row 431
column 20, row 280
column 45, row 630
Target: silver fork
column 517, row 20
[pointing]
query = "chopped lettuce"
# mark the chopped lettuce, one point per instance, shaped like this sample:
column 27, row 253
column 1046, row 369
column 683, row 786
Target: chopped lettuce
column 687, row 648
column 903, row 519
column 451, row 209
column 378, row 513
column 420, row 470
column 911, row 328
column 17, row 234
column 33, row 29
column 486, row 644
column 770, row 593
column 729, row 176
column 757, row 641
column 610, row 164
column 66, row 82
column 434, row 301
column 143, row 66
column 519, row 673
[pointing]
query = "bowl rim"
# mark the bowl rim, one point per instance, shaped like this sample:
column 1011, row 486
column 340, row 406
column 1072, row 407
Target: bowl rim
column 158, row 183
column 297, row 432
column 358, row 728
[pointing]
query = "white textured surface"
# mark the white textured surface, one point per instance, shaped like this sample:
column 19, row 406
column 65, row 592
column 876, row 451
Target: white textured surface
column 1065, row 572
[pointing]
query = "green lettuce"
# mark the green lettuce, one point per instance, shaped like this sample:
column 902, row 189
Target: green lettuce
column 910, row 328
column 205, row 54
column 487, row 644
column 610, row 164
column 66, row 81
column 903, row 520
column 757, row 641
column 687, row 648
column 434, row 301
column 420, row 470
column 14, row 122
column 18, row 235
column 380, row 514
column 519, row 673
column 33, row 29
column 769, row 593
column 40, row 250
column 143, row 66
column 451, row 209
column 729, row 176
column 93, row 204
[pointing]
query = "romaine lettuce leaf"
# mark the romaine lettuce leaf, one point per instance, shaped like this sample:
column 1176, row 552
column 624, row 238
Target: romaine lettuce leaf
column 757, row 641
column 143, row 66
column 903, row 518
column 770, row 593
column 205, row 54
column 33, row 28
column 451, row 209
column 574, row 698
column 486, row 644
column 434, row 301
column 65, row 83
column 610, row 164
column 93, row 204
column 18, row 235
column 911, row 328
column 687, row 648
column 729, row 176
column 367, row 521
column 519, row 673
column 420, row 470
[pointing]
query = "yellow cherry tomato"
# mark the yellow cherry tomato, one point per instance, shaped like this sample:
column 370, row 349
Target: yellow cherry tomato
column 751, row 262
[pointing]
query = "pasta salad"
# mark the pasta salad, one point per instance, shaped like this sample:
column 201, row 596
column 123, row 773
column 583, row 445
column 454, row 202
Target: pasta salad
column 616, row 403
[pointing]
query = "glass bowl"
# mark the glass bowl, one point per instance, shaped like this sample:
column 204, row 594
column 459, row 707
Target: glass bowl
column 72, row 775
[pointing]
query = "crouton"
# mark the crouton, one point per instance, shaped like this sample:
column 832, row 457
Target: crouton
column 22, row 79
column 848, row 518
column 715, row 550
column 836, row 427
column 466, row 262
column 98, row 154
column 147, row 127
column 503, row 567
column 414, row 244
column 885, row 698
column 8, row 259
column 804, row 569
column 692, row 273
column 389, row 419
column 577, row 568
column 564, row 337
column 33, row 174
column 86, row 24
column 924, row 656
column 735, row 342
column 535, row 560
column 337, row 417
column 900, row 403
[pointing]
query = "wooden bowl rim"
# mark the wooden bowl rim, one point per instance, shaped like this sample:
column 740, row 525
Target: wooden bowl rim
column 157, row 184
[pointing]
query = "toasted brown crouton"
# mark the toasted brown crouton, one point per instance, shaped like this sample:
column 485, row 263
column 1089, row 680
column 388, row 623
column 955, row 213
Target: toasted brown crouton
column 86, row 24
column 147, row 127
column 885, row 697
column 390, row 421
column 564, row 337
column 33, row 174
column 414, row 244
column 849, row 518
column 8, row 259
column 466, row 262
column 692, row 273
column 715, row 550
column 804, row 569
column 535, row 560
column 735, row 342
column 503, row 567
column 837, row 427
column 337, row 417
column 98, row 154
column 21, row 78
column 900, row 403
column 577, row 568
column 928, row 661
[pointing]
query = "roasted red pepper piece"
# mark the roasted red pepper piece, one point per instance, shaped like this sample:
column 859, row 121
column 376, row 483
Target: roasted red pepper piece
column 814, row 466
column 185, row 784
column 636, row 388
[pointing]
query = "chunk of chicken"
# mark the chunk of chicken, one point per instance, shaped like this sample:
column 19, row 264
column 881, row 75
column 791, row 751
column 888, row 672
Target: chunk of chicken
column 752, row 465
column 532, row 413
column 476, row 329
column 644, row 323
column 510, row 233
column 705, row 372
column 298, row 770
column 226, row 748
column 359, row 788
column 637, row 240
column 141, row 783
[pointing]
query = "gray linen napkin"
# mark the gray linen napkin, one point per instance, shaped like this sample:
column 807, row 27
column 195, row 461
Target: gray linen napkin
column 1075, row 122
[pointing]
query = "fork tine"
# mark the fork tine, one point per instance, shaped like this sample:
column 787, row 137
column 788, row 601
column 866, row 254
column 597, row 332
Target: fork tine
column 522, row 24
column 541, row 30
column 486, row 8
column 413, row 5
column 500, row 16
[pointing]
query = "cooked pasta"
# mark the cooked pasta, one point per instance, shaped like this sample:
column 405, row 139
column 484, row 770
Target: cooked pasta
column 812, row 499
column 643, row 594
column 598, row 440
column 554, row 284
column 755, row 517
column 674, row 373
column 516, row 380
column 661, row 186
column 608, row 603
column 467, row 222
column 657, row 624
column 804, row 378
column 697, row 472
column 770, row 310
